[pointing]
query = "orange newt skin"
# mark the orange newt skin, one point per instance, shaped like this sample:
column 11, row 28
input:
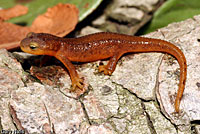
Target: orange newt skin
column 101, row 46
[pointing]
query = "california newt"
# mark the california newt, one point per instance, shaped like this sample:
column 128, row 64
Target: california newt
column 101, row 46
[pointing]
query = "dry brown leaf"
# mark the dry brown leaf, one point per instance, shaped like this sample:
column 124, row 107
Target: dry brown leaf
column 58, row 20
column 17, row 10
column 11, row 34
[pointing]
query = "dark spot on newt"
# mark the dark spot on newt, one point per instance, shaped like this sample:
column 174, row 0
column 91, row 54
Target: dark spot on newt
column 184, row 81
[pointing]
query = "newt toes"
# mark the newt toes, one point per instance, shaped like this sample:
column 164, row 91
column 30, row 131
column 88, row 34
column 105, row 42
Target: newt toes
column 77, row 82
column 101, row 46
column 103, row 68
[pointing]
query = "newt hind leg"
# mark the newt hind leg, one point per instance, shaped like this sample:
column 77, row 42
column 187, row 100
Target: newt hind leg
column 110, row 67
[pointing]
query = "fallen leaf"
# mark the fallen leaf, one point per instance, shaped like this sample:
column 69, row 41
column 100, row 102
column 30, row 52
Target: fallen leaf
column 58, row 20
column 17, row 10
column 11, row 35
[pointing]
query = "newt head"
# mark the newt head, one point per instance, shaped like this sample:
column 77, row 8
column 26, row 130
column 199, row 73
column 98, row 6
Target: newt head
column 32, row 44
column 38, row 44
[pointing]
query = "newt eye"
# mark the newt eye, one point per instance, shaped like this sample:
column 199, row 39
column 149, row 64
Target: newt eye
column 30, row 34
column 33, row 46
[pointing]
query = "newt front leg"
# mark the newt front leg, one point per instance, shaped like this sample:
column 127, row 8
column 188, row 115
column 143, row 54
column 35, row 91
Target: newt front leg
column 76, row 81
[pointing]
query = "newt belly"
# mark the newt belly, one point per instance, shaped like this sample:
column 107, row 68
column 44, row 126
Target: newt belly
column 101, row 46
